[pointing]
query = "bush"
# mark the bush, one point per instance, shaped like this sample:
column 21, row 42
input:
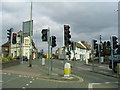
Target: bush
column 10, row 58
column 0, row 58
column 4, row 59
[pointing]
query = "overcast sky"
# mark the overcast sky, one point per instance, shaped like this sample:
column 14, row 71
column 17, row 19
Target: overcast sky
column 87, row 20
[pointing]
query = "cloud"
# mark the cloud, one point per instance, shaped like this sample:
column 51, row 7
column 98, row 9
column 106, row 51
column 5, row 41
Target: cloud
column 87, row 20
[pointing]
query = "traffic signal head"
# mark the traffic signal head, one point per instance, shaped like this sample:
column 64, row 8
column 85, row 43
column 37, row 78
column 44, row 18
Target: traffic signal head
column 53, row 41
column 44, row 34
column 67, row 35
column 14, row 38
column 9, row 33
column 114, row 39
column 95, row 45
column 108, row 44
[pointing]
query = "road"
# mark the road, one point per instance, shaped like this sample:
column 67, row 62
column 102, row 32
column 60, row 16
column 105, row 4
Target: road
column 16, row 77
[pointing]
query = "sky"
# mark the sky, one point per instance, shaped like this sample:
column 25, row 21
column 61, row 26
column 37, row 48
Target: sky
column 87, row 20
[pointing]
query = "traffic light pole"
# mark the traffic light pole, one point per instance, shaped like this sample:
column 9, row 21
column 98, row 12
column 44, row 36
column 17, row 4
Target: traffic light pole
column 99, row 50
column 64, row 57
column 49, row 61
column 30, row 58
column 92, row 55
column 111, row 50
column 74, row 52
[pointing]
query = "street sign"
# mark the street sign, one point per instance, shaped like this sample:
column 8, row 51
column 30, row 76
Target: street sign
column 27, row 27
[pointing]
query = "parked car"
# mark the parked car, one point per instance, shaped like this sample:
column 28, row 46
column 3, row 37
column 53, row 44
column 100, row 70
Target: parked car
column 21, row 57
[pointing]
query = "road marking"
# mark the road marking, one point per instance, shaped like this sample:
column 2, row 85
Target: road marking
column 27, row 84
column 90, row 85
column 25, row 76
column 9, row 73
column 30, row 82
column 20, row 75
column 87, row 69
column 5, row 73
column 80, row 79
column 21, row 72
column 10, row 80
column 23, row 87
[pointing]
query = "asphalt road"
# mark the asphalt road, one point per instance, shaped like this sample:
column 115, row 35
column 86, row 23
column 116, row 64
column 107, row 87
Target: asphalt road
column 90, row 79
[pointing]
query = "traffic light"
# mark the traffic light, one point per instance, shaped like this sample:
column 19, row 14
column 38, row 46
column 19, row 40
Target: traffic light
column 114, row 39
column 108, row 44
column 44, row 34
column 67, row 35
column 14, row 38
column 95, row 45
column 53, row 41
column 108, row 48
column 9, row 34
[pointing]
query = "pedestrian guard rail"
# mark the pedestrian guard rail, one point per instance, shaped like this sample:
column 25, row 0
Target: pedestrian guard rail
column 114, row 57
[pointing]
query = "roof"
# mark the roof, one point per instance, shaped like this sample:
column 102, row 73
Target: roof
column 6, row 44
column 80, row 45
column 88, row 46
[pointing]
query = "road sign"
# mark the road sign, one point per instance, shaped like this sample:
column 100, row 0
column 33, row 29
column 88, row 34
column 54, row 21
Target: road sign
column 27, row 27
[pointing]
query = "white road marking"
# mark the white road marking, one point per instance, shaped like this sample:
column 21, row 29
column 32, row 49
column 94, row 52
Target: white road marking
column 25, row 76
column 30, row 81
column 90, row 85
column 23, row 87
column 9, row 73
column 27, row 84
column 20, row 75
column 5, row 73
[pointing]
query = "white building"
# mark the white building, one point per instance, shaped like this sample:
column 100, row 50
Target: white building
column 23, row 48
column 81, row 51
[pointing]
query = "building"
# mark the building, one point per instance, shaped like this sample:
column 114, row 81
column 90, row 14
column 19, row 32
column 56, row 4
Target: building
column 22, row 47
column 5, row 49
column 82, row 52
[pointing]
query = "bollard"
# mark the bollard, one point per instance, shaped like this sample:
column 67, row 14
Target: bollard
column 67, row 70
column 43, row 61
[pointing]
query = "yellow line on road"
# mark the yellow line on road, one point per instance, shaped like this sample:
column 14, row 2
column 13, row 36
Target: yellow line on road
column 80, row 79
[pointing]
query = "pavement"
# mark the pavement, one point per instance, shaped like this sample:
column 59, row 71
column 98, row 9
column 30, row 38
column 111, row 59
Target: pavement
column 22, row 76
column 102, row 69
column 40, row 71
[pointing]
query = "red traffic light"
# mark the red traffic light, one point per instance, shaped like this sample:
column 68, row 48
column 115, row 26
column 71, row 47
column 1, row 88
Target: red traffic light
column 66, row 28
column 14, row 35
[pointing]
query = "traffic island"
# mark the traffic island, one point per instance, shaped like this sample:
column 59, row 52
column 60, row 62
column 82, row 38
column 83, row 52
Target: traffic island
column 61, row 78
